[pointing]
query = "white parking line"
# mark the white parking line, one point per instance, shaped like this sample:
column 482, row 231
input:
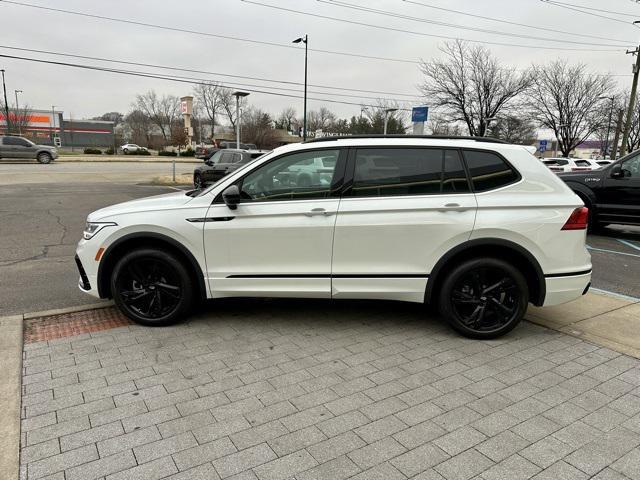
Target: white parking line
column 612, row 251
column 628, row 244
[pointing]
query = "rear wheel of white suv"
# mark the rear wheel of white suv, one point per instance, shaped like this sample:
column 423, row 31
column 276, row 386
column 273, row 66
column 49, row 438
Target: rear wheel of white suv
column 152, row 287
column 484, row 298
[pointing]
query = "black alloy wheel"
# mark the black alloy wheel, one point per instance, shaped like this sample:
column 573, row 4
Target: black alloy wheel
column 484, row 298
column 152, row 287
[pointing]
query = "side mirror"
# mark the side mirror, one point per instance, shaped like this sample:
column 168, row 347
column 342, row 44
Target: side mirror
column 616, row 171
column 208, row 162
column 231, row 196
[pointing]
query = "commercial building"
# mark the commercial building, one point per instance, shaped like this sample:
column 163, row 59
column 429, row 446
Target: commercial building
column 48, row 127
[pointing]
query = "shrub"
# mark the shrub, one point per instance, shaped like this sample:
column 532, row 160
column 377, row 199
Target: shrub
column 166, row 153
column 92, row 151
column 110, row 151
column 143, row 152
column 188, row 153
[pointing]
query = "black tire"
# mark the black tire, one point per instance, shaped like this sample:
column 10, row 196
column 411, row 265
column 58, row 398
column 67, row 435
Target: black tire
column 125, row 151
column 484, row 298
column 197, row 181
column 152, row 287
column 44, row 158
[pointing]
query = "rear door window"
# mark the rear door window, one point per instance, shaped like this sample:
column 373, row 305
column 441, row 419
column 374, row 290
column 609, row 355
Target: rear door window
column 386, row 172
column 488, row 170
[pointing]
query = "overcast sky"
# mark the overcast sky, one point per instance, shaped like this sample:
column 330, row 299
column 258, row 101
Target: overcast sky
column 86, row 94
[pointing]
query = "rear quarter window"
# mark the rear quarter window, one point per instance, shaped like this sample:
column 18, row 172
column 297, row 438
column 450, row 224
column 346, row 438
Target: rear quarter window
column 488, row 170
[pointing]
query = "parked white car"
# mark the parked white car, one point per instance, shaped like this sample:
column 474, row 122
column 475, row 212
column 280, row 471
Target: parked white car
column 132, row 148
column 470, row 224
column 561, row 165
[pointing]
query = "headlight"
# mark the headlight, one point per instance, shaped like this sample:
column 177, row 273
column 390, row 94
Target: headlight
column 91, row 228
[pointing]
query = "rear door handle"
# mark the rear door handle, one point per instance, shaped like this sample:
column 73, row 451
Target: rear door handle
column 317, row 211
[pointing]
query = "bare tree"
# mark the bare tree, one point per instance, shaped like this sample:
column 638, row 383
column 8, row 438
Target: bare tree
column 564, row 98
column 514, row 129
column 161, row 111
column 207, row 96
column 228, row 103
column 471, row 86
column 139, row 127
column 19, row 118
column 257, row 128
column 179, row 137
column 320, row 119
column 441, row 126
column 287, row 119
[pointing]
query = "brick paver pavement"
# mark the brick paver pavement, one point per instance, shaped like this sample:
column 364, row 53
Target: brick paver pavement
column 315, row 390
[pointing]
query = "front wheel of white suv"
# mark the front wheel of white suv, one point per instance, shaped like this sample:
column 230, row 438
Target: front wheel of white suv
column 152, row 287
column 484, row 298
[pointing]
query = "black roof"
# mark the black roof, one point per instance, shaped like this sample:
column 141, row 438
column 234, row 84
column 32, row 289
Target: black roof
column 432, row 137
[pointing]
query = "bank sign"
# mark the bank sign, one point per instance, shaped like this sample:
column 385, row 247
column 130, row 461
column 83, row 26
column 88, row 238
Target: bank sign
column 419, row 114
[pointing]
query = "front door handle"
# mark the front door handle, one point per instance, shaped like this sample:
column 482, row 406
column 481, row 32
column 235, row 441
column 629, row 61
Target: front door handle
column 453, row 207
column 317, row 211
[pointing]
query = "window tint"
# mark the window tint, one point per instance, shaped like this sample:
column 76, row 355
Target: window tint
column 407, row 171
column 454, row 178
column 556, row 162
column 15, row 141
column 297, row 176
column 237, row 157
column 582, row 163
column 227, row 157
column 488, row 170
column 631, row 167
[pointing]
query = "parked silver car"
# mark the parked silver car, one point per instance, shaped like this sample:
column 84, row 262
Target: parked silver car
column 21, row 148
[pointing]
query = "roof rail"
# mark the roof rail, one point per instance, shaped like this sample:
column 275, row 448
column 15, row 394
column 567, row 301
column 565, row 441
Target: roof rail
column 432, row 137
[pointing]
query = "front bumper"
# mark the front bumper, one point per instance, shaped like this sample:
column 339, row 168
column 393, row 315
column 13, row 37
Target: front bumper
column 566, row 288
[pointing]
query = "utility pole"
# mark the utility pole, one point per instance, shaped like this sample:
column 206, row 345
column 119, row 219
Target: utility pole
column 6, row 103
column 304, row 40
column 18, row 120
column 632, row 100
column 614, row 147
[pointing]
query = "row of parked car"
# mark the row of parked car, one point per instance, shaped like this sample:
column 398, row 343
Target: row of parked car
column 564, row 165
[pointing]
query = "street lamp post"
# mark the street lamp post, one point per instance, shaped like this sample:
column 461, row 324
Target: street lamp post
column 387, row 111
column 18, row 112
column 53, row 123
column 6, row 103
column 304, row 40
column 238, row 96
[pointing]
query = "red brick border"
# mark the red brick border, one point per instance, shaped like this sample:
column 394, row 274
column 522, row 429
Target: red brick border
column 72, row 324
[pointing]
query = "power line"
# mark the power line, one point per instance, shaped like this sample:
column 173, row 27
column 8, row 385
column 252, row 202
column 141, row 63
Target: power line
column 185, row 80
column 206, row 34
column 392, row 29
column 387, row 13
column 138, row 64
column 611, row 12
column 568, row 6
column 508, row 22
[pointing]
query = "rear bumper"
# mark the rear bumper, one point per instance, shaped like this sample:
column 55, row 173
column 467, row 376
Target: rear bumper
column 566, row 288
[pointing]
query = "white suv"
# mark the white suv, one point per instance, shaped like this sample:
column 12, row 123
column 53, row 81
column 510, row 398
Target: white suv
column 478, row 227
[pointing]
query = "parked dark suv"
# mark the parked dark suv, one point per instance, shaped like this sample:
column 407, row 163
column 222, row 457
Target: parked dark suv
column 612, row 194
column 222, row 163
column 21, row 148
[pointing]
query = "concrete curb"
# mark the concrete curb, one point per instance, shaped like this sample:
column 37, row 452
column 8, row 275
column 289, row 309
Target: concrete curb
column 10, row 394
column 62, row 311
column 131, row 159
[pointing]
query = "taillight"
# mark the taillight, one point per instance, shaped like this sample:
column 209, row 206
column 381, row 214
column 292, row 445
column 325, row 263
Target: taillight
column 578, row 220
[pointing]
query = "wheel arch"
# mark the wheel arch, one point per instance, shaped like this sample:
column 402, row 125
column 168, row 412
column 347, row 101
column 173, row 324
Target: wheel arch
column 583, row 191
column 126, row 243
column 486, row 247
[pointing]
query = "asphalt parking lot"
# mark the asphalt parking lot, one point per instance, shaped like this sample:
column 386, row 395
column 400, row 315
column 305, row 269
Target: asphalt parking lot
column 43, row 211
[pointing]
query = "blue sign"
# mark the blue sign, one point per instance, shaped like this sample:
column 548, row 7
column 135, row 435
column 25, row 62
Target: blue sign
column 543, row 146
column 419, row 114
column 543, row 143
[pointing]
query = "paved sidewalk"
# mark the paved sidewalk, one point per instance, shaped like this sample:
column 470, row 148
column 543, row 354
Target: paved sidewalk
column 311, row 389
